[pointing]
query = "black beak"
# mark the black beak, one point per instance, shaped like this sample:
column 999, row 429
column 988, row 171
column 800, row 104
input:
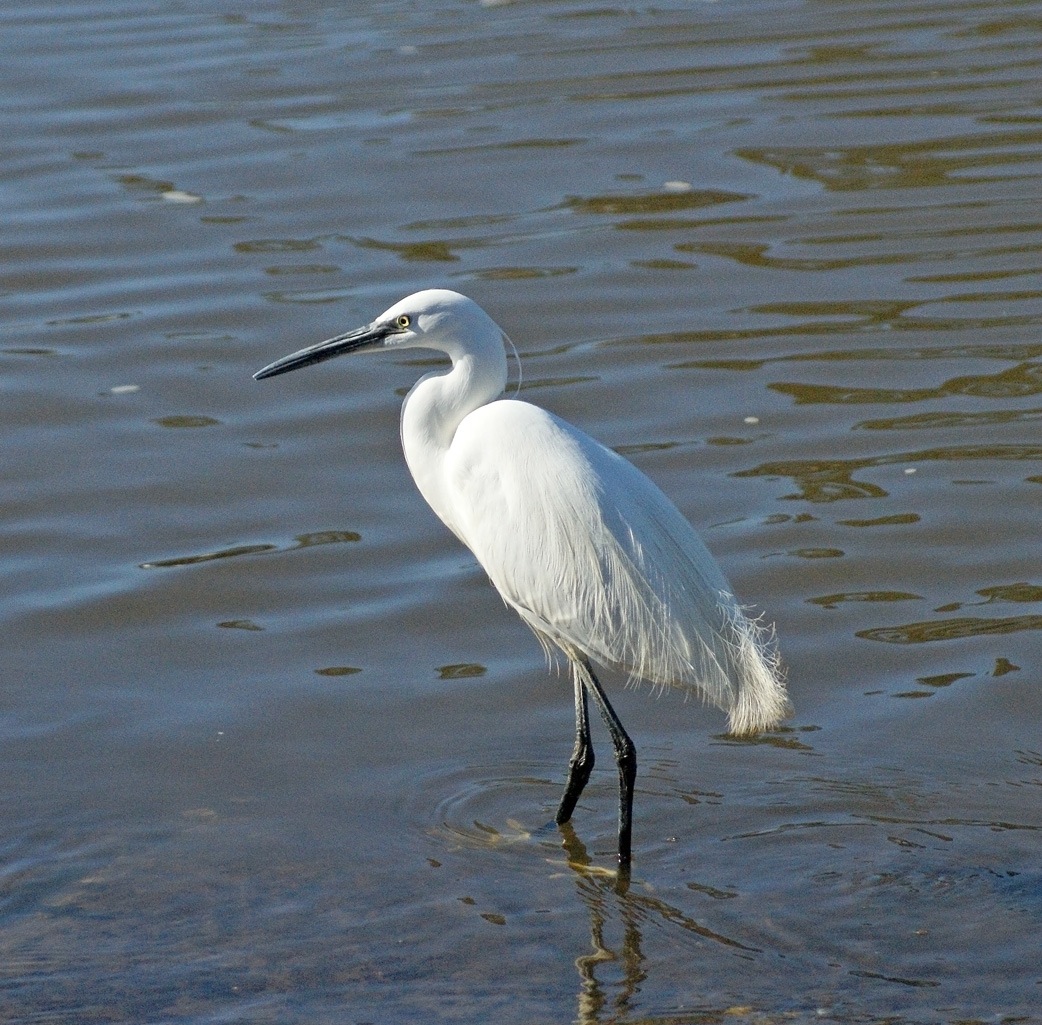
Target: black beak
column 369, row 337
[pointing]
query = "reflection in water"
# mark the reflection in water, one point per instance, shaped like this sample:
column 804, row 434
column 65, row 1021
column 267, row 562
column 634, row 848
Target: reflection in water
column 820, row 480
column 898, row 519
column 427, row 251
column 186, row 420
column 597, row 889
column 222, row 553
column 951, row 629
column 650, row 203
column 914, row 164
column 833, row 480
column 1016, row 382
column 951, row 420
column 1021, row 592
column 831, row 601
column 312, row 540
column 601, row 891
column 782, row 738
column 843, row 318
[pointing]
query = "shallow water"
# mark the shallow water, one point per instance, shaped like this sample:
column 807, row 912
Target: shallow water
column 274, row 751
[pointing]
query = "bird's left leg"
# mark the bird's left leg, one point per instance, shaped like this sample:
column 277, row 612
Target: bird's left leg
column 581, row 764
column 625, row 758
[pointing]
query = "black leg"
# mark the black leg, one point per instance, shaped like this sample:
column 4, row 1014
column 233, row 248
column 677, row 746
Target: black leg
column 625, row 758
column 581, row 765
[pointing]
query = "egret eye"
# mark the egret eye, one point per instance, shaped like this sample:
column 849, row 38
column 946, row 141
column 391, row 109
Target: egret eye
column 403, row 320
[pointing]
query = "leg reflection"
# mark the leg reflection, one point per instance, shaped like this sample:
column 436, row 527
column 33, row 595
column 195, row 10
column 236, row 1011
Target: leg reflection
column 605, row 894
column 608, row 896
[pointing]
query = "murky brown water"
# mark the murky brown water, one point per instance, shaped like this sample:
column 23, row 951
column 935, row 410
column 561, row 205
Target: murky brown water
column 273, row 750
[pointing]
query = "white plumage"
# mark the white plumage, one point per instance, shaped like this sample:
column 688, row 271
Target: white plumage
column 588, row 551
column 615, row 574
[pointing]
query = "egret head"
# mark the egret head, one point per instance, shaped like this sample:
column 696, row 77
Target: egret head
column 433, row 319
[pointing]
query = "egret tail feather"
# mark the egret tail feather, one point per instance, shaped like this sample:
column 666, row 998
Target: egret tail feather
column 760, row 699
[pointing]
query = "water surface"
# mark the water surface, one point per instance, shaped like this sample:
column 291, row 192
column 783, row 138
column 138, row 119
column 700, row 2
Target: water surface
column 272, row 748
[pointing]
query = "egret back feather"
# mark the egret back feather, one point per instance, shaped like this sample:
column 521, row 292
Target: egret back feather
column 619, row 576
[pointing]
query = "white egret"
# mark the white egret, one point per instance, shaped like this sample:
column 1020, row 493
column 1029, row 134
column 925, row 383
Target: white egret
column 591, row 554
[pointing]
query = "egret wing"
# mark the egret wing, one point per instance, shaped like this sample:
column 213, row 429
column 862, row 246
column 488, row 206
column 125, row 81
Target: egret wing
column 594, row 557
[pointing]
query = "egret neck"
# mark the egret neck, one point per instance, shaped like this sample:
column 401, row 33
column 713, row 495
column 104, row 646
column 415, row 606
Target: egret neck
column 435, row 406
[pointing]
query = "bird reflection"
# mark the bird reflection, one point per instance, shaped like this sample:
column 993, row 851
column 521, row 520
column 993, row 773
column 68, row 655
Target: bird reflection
column 608, row 895
column 598, row 889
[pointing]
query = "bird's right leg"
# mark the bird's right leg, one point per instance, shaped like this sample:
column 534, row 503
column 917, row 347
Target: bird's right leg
column 625, row 758
column 581, row 764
